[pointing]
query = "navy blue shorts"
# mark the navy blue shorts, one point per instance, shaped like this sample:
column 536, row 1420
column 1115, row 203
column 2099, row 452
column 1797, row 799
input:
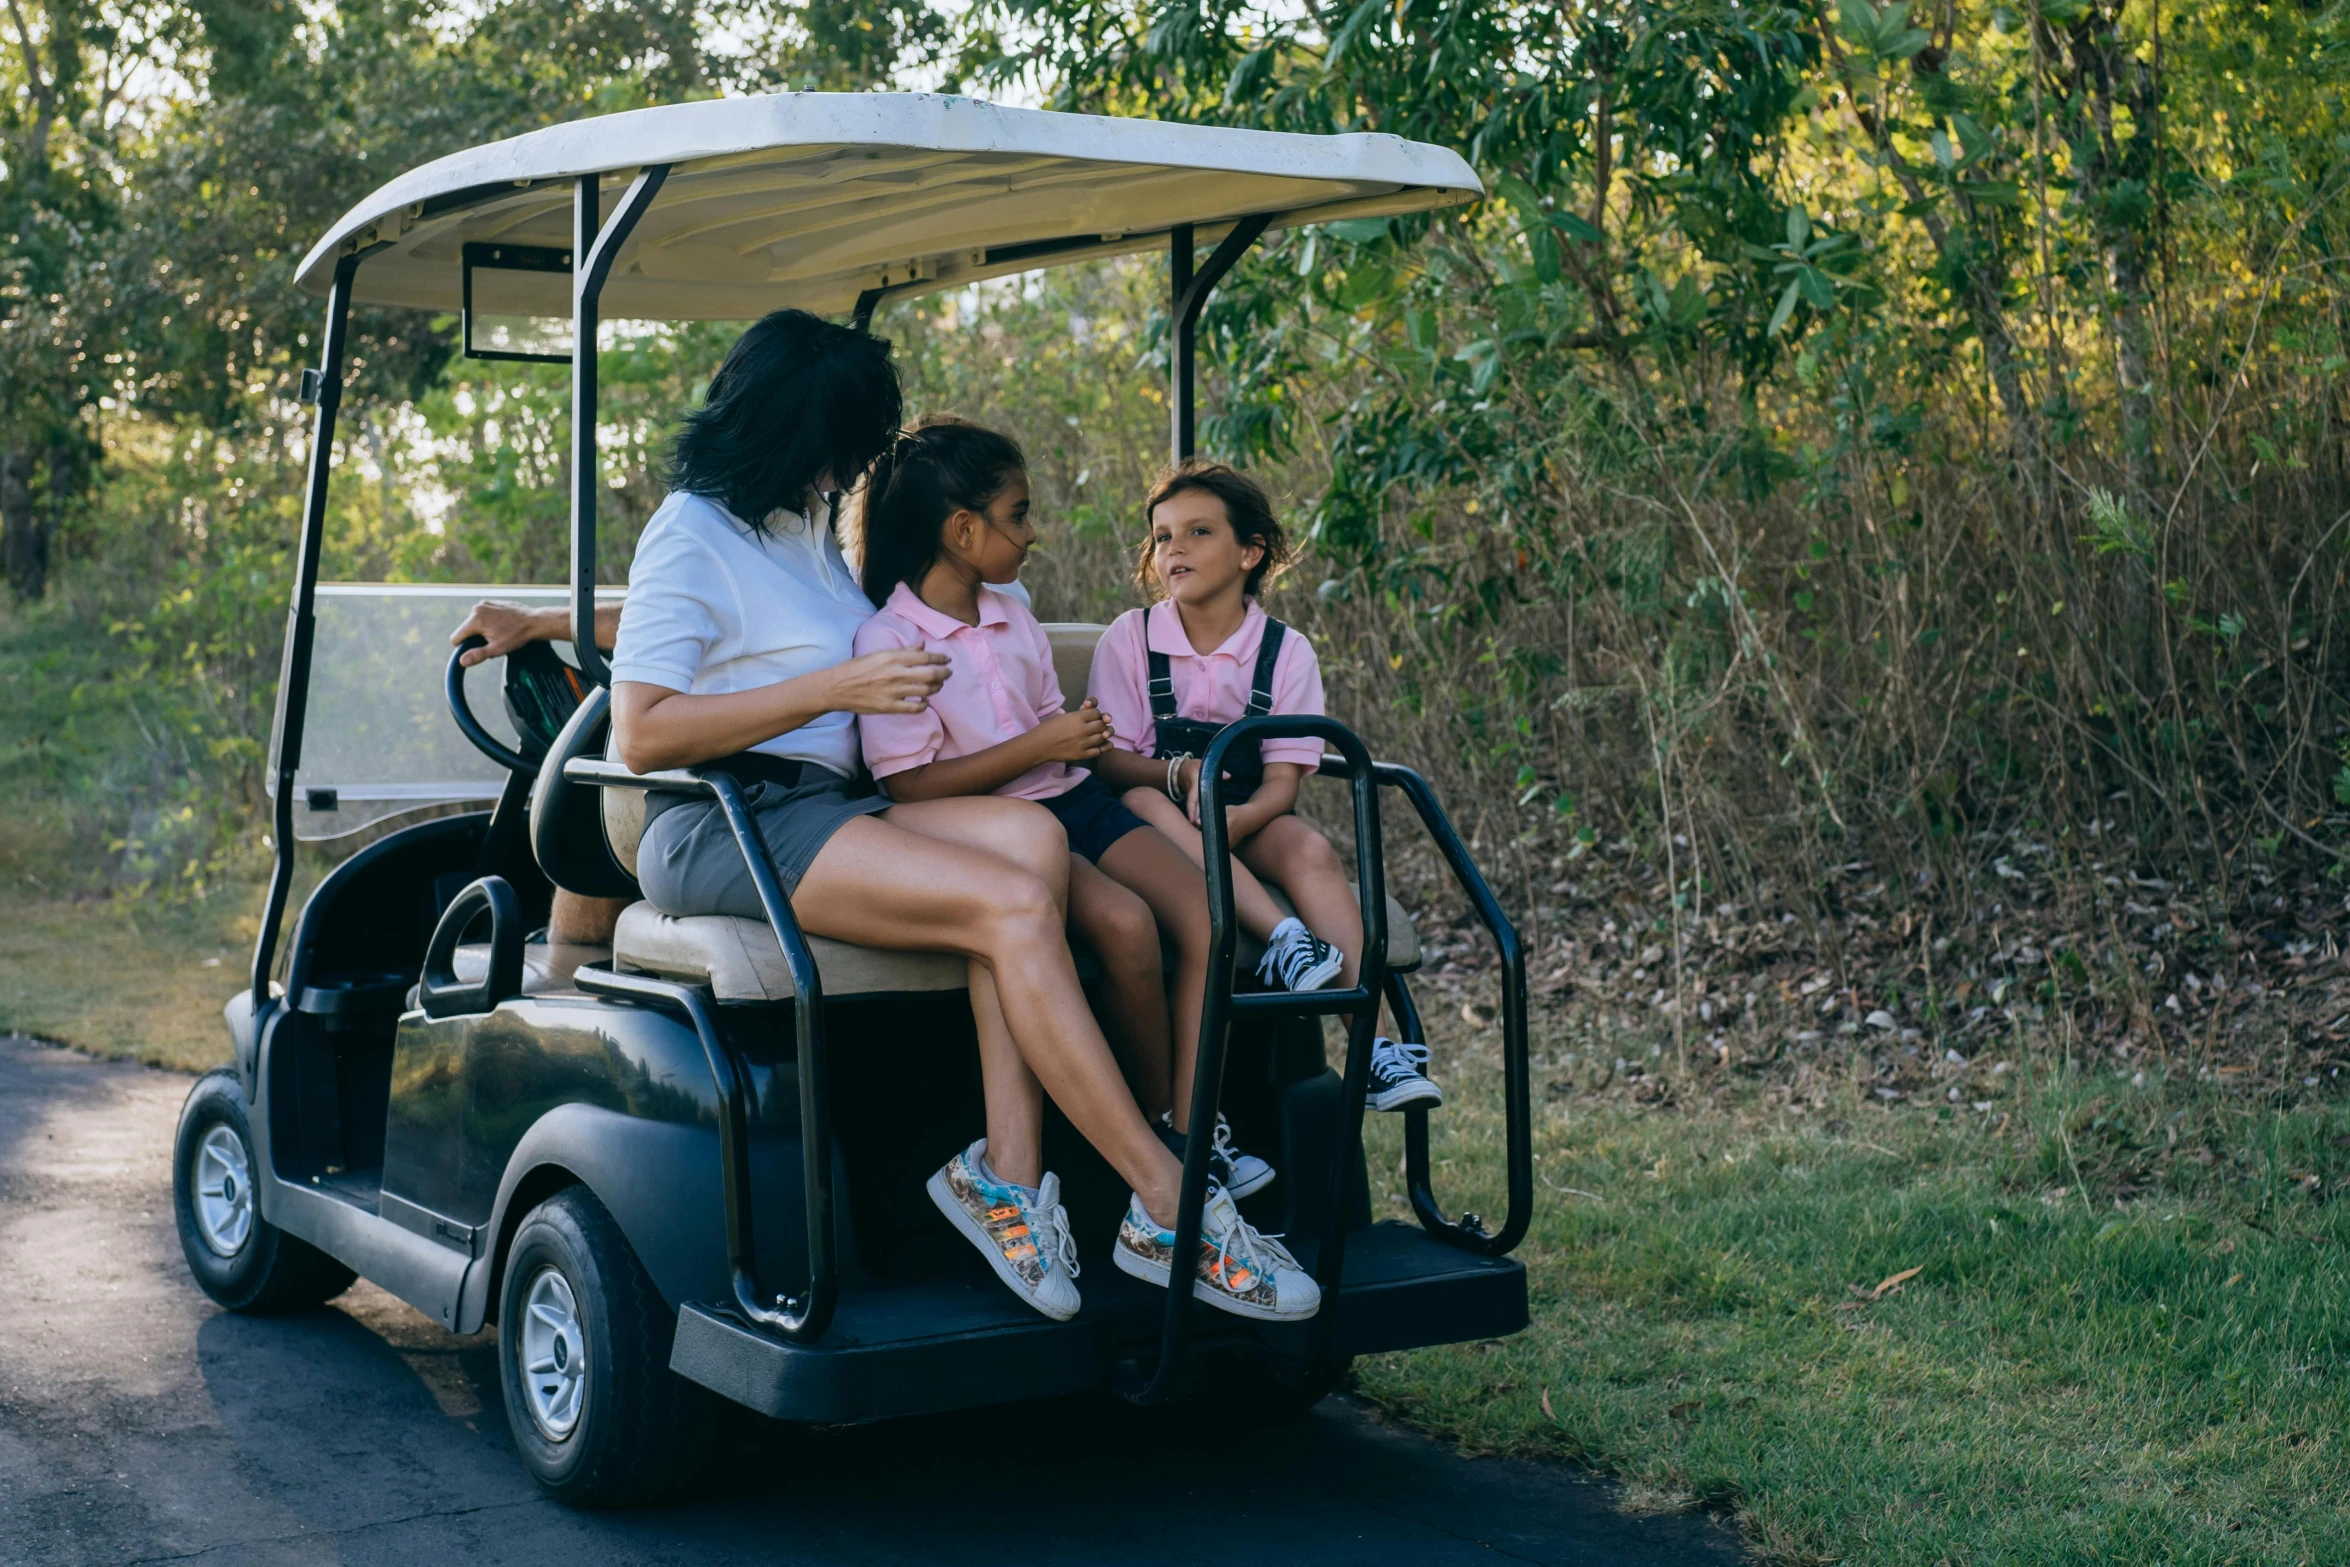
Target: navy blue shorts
column 1093, row 817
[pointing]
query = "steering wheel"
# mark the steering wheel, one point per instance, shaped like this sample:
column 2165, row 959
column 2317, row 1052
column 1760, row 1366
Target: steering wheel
column 470, row 727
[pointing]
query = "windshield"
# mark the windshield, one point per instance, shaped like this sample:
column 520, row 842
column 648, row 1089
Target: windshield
column 379, row 740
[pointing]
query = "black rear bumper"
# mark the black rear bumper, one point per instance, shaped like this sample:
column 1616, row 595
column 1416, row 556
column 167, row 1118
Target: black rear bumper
column 957, row 1345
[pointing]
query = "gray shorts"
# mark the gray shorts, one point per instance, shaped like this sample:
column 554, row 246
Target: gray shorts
column 689, row 863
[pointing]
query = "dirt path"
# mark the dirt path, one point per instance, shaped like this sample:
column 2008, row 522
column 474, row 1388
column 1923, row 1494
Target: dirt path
column 139, row 1423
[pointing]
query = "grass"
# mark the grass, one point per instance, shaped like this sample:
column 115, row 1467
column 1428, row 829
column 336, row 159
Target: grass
column 2059, row 1374
column 131, row 858
column 119, row 977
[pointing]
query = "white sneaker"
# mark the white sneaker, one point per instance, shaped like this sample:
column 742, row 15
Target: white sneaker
column 1297, row 959
column 1399, row 1076
column 1027, row 1243
column 1239, row 1270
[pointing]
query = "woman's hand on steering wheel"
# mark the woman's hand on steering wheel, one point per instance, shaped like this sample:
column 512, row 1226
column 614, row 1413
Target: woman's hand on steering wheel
column 892, row 680
column 504, row 626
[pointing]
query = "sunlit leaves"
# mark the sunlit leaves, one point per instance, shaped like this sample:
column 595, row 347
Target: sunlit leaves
column 2116, row 529
column 1677, row 309
column 1880, row 34
column 1810, row 261
column 1250, row 75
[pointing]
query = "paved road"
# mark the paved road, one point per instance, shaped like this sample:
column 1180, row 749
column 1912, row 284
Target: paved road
column 139, row 1423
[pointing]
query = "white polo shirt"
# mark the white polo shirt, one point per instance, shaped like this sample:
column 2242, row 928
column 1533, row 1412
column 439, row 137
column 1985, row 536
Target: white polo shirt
column 715, row 608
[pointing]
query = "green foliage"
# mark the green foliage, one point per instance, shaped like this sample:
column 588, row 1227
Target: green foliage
column 1758, row 281
column 165, row 163
column 1794, row 424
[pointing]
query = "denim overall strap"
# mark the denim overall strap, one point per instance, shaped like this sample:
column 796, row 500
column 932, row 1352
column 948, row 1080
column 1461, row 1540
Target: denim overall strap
column 1162, row 687
column 1260, row 686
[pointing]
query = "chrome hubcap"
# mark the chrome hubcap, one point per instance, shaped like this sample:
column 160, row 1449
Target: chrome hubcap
column 224, row 1192
column 553, row 1352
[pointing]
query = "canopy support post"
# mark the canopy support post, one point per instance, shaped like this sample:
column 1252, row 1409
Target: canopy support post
column 293, row 680
column 595, row 245
column 1187, row 293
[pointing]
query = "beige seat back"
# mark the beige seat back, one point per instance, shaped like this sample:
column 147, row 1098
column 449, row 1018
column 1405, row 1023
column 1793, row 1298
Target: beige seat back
column 1073, row 644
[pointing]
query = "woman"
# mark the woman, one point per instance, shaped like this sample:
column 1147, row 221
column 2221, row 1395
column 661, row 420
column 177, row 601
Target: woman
column 736, row 653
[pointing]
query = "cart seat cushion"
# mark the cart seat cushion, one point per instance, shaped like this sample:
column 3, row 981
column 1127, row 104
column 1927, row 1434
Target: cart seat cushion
column 545, row 965
column 740, row 960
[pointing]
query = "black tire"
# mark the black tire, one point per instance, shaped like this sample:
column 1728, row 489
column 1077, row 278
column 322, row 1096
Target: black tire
column 247, row 1264
column 1231, row 1386
column 637, row 1432
column 1244, row 1390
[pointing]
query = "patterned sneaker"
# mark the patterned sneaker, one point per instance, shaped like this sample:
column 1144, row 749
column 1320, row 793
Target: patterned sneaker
column 1241, row 1174
column 1239, row 1271
column 1297, row 959
column 1028, row 1244
column 1399, row 1077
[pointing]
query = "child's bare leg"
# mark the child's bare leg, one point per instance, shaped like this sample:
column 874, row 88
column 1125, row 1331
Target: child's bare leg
column 1124, row 935
column 1293, row 856
column 1255, row 909
column 1014, row 1098
column 1178, row 898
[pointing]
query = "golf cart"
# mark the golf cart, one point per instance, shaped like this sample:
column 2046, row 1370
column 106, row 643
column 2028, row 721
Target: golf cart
column 687, row 1170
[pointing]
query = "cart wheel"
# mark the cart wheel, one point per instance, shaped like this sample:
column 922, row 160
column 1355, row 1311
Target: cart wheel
column 1245, row 1390
column 239, row 1258
column 583, row 1347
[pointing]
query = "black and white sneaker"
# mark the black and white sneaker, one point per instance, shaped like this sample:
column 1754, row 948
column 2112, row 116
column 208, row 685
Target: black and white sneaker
column 1241, row 1174
column 1297, row 959
column 1399, row 1076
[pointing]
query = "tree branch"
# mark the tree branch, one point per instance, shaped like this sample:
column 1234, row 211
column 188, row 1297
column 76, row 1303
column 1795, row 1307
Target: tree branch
column 44, row 92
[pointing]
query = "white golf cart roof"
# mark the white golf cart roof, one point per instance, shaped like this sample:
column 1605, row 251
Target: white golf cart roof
column 810, row 199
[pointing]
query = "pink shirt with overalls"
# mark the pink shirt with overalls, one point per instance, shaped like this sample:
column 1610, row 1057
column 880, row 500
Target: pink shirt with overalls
column 1000, row 685
column 1209, row 687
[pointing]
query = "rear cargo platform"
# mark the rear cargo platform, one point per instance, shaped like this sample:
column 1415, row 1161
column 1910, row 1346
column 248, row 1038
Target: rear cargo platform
column 924, row 1348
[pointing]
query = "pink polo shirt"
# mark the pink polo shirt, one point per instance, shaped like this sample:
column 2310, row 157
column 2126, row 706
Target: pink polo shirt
column 1000, row 685
column 1209, row 687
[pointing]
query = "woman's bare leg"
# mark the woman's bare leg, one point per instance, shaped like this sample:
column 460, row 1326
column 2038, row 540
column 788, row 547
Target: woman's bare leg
column 1178, row 899
column 1119, row 928
column 1256, row 911
column 915, row 882
column 1014, row 1098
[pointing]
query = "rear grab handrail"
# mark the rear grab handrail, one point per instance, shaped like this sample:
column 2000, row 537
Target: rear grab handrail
column 801, row 1318
column 1518, row 1113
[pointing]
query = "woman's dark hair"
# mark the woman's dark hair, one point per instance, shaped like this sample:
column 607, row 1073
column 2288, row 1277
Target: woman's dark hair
column 797, row 398
column 941, row 466
column 1245, row 502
